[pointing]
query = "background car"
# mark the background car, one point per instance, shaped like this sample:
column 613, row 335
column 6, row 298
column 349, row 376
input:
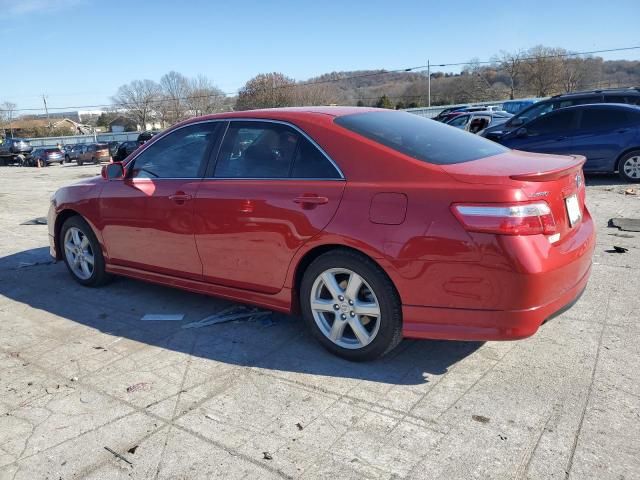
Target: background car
column 285, row 215
column 615, row 95
column 516, row 106
column 146, row 136
column 14, row 150
column 94, row 153
column 459, row 111
column 124, row 150
column 45, row 156
column 74, row 152
column 474, row 122
column 446, row 111
column 608, row 135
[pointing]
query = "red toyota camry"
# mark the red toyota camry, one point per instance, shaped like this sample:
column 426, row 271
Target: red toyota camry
column 373, row 224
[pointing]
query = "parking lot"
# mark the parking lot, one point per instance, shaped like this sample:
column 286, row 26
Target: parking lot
column 88, row 390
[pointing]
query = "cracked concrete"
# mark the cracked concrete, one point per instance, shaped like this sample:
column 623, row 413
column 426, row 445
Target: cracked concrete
column 209, row 402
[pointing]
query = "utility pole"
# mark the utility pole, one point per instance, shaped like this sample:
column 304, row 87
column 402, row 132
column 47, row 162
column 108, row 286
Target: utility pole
column 428, row 83
column 44, row 99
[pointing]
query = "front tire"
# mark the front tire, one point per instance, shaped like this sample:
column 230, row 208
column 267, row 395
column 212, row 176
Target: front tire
column 629, row 166
column 351, row 306
column 82, row 253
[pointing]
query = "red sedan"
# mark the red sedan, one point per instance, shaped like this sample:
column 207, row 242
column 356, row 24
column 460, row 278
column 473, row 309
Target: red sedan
column 373, row 224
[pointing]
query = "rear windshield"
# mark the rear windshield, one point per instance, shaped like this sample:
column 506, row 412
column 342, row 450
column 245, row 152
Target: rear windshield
column 420, row 137
column 101, row 146
column 52, row 150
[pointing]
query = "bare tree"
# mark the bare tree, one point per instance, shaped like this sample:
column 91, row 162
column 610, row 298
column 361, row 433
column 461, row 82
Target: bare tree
column 544, row 70
column 267, row 90
column 175, row 88
column 140, row 99
column 512, row 65
column 7, row 109
column 316, row 94
column 203, row 97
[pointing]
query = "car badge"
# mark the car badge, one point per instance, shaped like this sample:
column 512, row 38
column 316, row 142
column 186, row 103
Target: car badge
column 578, row 180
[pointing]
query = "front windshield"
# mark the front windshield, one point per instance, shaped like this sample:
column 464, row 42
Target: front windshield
column 534, row 111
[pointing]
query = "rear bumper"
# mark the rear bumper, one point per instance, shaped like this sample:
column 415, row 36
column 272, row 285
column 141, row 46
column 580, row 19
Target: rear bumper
column 480, row 325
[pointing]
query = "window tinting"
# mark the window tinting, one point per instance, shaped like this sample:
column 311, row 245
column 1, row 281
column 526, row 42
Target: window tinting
column 309, row 162
column 615, row 99
column 552, row 122
column 598, row 118
column 419, row 137
column 257, row 150
column 180, row 154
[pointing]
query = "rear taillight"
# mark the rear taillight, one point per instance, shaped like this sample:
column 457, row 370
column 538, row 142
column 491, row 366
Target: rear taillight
column 507, row 219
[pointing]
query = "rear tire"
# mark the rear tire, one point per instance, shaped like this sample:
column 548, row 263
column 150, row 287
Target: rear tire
column 358, row 316
column 629, row 166
column 82, row 253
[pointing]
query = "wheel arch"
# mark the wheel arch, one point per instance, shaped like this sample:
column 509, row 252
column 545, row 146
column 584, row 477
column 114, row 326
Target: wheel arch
column 309, row 256
column 62, row 217
column 628, row 150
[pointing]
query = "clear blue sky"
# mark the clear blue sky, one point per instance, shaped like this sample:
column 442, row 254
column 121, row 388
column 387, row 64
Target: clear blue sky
column 78, row 52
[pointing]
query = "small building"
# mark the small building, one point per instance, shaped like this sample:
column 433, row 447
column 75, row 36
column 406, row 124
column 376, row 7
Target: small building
column 122, row 124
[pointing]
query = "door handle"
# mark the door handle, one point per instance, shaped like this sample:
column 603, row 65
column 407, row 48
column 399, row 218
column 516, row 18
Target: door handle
column 623, row 130
column 180, row 197
column 311, row 200
column 560, row 139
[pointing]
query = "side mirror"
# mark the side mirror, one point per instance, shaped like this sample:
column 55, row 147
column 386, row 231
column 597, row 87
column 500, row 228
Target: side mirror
column 516, row 122
column 521, row 132
column 113, row 171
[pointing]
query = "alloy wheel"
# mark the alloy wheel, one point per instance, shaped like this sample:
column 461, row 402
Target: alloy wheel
column 345, row 308
column 79, row 253
column 631, row 167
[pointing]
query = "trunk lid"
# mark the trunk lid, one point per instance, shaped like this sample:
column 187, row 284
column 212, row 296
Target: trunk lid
column 541, row 177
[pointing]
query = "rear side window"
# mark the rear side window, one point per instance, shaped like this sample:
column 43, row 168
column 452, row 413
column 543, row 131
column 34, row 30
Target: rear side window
column 560, row 121
column 309, row 162
column 257, row 150
column 599, row 118
column 420, row 137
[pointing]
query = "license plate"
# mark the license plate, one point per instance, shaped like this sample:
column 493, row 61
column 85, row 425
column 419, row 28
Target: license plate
column 573, row 209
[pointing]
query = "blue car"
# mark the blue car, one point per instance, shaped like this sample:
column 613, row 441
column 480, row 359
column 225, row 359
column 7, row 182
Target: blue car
column 516, row 106
column 607, row 134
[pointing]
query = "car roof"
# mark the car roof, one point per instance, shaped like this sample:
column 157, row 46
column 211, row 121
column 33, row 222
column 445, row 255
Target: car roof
column 293, row 112
column 587, row 106
column 599, row 91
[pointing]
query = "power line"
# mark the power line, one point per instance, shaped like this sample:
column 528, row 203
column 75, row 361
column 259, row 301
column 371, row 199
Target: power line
column 331, row 80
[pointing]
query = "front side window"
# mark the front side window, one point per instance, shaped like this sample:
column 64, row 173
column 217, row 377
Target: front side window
column 419, row 137
column 180, row 154
column 552, row 123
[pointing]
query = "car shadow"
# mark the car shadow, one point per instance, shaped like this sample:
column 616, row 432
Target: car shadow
column 606, row 179
column 278, row 342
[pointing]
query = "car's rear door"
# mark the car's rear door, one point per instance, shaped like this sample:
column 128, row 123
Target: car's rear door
column 604, row 133
column 148, row 217
column 270, row 190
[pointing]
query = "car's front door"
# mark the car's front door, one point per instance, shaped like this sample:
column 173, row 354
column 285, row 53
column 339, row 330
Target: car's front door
column 148, row 217
column 272, row 190
column 550, row 133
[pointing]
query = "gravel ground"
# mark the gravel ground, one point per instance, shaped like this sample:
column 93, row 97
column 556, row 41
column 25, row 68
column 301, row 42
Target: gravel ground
column 88, row 390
